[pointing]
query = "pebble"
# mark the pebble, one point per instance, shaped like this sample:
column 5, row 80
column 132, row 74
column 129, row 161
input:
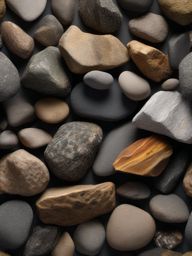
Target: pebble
column 45, row 73
column 65, row 246
column 34, row 137
column 187, row 181
column 106, row 54
column 51, row 110
column 129, row 228
column 48, row 31
column 74, row 205
column 29, row 10
column 170, row 84
column 155, row 117
column 9, row 84
column 134, row 191
column 103, row 16
column 22, row 174
column 188, row 231
column 160, row 252
column 15, row 223
column 133, row 86
column 169, row 208
column 42, row 241
column 178, row 47
column 187, row 254
column 23, row 43
column 73, row 149
column 4, row 254
column 64, row 10
column 2, row 8
column 89, row 238
column 8, row 140
column 110, row 105
column 151, row 27
column 137, row 6
column 168, row 239
column 98, row 80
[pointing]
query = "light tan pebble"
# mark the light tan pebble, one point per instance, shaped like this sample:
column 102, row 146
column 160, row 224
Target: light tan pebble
column 65, row 246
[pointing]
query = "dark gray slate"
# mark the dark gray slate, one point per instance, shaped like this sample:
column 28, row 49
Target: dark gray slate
column 185, row 76
column 138, row 6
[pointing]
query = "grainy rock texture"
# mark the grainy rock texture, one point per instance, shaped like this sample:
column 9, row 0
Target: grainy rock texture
column 65, row 246
column 185, row 76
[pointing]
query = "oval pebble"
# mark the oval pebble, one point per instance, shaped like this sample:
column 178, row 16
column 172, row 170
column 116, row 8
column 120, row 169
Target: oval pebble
column 8, row 140
column 170, row 84
column 65, row 246
column 98, row 80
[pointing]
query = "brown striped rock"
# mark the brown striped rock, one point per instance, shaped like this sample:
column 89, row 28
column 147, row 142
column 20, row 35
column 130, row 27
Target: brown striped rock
column 145, row 157
column 187, row 181
column 76, row 204
column 2, row 8
column 153, row 63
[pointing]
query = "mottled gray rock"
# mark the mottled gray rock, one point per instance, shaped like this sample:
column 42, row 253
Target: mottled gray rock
column 8, row 140
column 72, row 151
column 185, row 76
column 158, row 114
column 98, row 80
column 170, row 84
column 188, row 230
column 101, row 15
column 137, row 6
column 45, row 73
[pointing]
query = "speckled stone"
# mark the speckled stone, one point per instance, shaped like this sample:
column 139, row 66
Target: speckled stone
column 137, row 6
column 98, row 80
column 8, row 140
column 170, row 84
column 168, row 239
column 65, row 246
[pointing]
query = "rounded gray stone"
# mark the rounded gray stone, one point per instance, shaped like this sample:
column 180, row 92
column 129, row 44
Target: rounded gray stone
column 8, row 140
column 98, row 80
column 185, row 76
column 188, row 230
column 137, row 6
column 170, row 84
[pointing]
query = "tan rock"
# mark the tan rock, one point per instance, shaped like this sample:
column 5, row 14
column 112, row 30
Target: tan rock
column 187, row 254
column 17, row 40
column 153, row 63
column 23, row 174
column 84, row 52
column 187, row 181
column 76, row 204
column 2, row 8
column 4, row 254
column 177, row 10
column 65, row 246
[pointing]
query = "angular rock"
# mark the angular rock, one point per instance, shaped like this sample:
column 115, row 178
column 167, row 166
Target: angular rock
column 187, row 181
column 103, row 16
column 65, row 246
column 73, row 149
column 77, row 204
column 2, row 8
column 23, row 43
column 98, row 80
column 137, row 6
column 188, row 231
column 168, row 239
column 151, row 27
column 153, row 63
column 48, row 31
column 45, row 73
column 155, row 117
column 92, row 52
column 8, row 140
column 185, row 76
column 170, row 84
column 160, row 252
column 23, row 174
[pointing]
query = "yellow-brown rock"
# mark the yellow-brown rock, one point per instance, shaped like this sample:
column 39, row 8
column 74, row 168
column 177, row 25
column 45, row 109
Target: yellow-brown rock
column 76, row 204
column 187, row 181
column 153, row 63
column 145, row 157
column 2, row 8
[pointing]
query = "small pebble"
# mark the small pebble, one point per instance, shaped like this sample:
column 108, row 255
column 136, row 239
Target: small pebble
column 65, row 246
column 170, row 84
column 137, row 6
column 98, row 80
column 168, row 239
column 8, row 140
column 188, row 231
column 185, row 76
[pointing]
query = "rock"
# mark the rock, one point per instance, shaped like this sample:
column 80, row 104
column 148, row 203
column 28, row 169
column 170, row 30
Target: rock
column 8, row 140
column 178, row 47
column 51, row 110
column 73, row 149
column 185, row 76
column 101, row 52
column 45, row 73
column 145, row 157
column 28, row 10
column 48, row 31
column 103, row 16
column 20, row 115
column 187, row 181
column 170, row 84
column 129, row 228
column 121, row 137
column 153, row 63
column 15, row 223
column 188, row 230
column 134, row 190
column 23, row 43
column 169, row 208
column 4, row 254
column 135, row 5
column 98, row 80
column 42, row 241
column 34, row 137
column 160, row 252
column 110, row 105
column 155, row 117
column 1, row 43
column 167, row 181
column 65, row 246
column 178, row 11
column 23, row 174
column 9, row 84
column 187, row 254
column 151, row 27
column 64, row 10
column 2, row 8
column 89, row 238
column 168, row 239
column 76, row 204
column 3, row 124
column 134, row 86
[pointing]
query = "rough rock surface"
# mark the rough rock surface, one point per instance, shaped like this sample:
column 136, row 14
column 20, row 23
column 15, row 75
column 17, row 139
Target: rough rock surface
column 185, row 76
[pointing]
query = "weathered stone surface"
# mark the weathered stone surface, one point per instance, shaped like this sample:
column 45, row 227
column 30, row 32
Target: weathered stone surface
column 170, row 84
column 65, row 246
column 92, row 52
column 153, row 63
column 160, row 252
column 168, row 239
column 187, row 181
column 2, row 8
column 8, row 140
column 23, row 174
column 77, row 204
column 137, row 6
column 185, row 76
column 155, row 117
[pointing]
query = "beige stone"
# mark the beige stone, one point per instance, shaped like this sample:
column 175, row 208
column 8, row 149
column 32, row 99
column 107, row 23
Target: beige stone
column 188, row 254
column 187, row 181
column 2, row 8
column 153, row 63
column 76, row 204
column 84, row 52
column 4, row 254
column 65, row 246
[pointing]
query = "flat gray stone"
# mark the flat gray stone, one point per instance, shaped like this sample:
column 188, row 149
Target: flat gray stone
column 8, row 140
column 170, row 84
column 137, row 6
column 167, row 113
column 185, row 76
column 98, row 80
